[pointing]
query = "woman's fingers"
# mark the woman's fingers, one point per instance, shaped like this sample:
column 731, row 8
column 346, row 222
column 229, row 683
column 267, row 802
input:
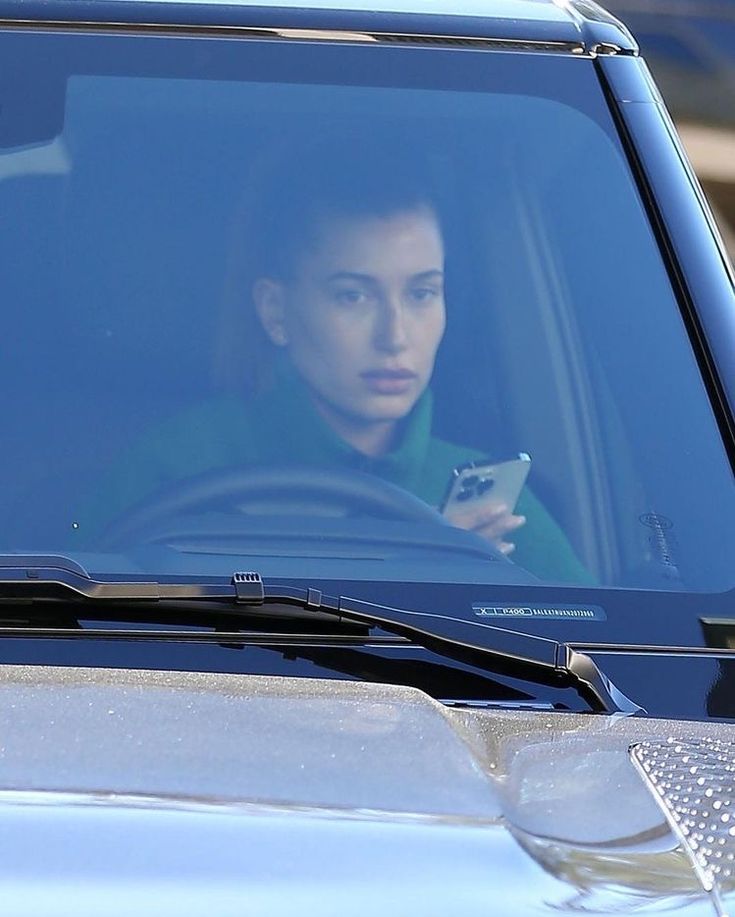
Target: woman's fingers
column 492, row 522
column 505, row 547
column 476, row 517
column 497, row 531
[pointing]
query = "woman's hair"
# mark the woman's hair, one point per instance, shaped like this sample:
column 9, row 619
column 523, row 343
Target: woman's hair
column 290, row 193
column 336, row 177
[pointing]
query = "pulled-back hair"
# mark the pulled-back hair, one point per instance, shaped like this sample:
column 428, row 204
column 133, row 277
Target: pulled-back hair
column 354, row 178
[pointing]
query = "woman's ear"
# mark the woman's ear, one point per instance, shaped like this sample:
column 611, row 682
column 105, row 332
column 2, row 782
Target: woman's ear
column 269, row 298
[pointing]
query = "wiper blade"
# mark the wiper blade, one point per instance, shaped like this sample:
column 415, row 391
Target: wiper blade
column 526, row 656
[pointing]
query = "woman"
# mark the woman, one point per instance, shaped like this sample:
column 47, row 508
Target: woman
column 352, row 293
column 348, row 265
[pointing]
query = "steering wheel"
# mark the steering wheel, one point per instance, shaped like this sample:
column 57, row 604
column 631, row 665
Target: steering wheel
column 297, row 490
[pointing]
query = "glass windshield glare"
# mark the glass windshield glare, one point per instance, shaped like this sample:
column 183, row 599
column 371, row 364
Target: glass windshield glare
column 288, row 299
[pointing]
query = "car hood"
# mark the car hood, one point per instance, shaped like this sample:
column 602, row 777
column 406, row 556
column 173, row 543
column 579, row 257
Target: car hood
column 227, row 794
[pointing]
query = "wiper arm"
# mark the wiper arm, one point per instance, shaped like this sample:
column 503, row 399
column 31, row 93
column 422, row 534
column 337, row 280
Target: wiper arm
column 526, row 656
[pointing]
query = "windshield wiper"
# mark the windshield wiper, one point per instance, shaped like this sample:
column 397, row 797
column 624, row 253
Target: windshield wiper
column 535, row 659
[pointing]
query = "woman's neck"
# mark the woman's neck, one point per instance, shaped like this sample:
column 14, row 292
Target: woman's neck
column 373, row 439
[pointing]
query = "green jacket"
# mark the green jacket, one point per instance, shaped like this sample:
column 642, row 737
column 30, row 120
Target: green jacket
column 283, row 427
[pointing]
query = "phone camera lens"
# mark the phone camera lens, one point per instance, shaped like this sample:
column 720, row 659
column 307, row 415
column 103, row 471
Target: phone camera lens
column 464, row 495
column 470, row 482
column 484, row 485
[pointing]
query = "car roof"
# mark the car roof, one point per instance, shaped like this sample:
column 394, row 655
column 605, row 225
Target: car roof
column 580, row 23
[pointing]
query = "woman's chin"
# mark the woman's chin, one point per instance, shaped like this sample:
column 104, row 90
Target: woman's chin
column 387, row 409
column 365, row 411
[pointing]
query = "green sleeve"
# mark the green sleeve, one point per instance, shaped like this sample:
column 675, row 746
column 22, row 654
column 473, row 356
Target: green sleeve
column 198, row 440
column 543, row 548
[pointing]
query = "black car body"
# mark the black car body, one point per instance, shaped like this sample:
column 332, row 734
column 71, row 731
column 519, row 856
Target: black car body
column 393, row 699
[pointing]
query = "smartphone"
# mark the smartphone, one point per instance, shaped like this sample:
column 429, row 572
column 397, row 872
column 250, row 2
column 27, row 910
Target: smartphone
column 487, row 482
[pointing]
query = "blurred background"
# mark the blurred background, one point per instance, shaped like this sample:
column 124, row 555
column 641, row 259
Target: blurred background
column 690, row 46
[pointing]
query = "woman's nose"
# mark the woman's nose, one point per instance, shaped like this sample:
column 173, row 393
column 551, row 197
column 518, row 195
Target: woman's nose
column 390, row 334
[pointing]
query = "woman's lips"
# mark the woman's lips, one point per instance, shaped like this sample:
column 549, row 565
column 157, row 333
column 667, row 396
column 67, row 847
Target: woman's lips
column 389, row 381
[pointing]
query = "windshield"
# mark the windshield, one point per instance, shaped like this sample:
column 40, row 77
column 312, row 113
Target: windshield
column 346, row 310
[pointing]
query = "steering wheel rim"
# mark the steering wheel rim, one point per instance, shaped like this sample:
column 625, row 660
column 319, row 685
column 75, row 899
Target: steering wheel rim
column 342, row 492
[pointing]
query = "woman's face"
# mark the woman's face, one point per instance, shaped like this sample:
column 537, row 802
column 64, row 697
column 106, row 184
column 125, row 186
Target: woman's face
column 364, row 315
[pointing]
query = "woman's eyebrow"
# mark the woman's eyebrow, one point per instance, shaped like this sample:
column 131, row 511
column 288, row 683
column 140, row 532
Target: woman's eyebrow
column 351, row 275
column 356, row 277
column 429, row 275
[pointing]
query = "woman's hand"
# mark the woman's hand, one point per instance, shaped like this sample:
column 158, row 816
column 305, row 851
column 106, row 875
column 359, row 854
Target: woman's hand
column 492, row 522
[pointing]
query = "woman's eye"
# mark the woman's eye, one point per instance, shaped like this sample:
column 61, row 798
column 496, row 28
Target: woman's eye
column 424, row 294
column 350, row 297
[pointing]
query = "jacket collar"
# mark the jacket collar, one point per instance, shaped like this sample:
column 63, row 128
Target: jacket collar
column 306, row 436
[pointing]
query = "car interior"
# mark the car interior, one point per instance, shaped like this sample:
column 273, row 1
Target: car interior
column 564, row 339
